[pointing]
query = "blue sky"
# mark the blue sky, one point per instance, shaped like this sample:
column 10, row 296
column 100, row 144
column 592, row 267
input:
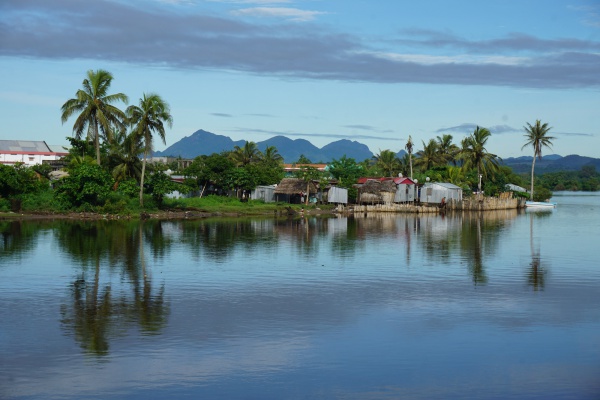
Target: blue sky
column 375, row 71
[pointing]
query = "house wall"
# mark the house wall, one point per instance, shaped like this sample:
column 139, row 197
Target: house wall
column 405, row 193
column 29, row 159
column 265, row 193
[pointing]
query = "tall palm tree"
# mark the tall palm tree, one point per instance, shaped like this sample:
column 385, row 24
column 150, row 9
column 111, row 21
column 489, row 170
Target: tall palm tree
column 124, row 157
column 246, row 155
column 272, row 156
column 147, row 119
column 97, row 114
column 429, row 156
column 447, row 149
column 409, row 148
column 387, row 161
column 537, row 136
column 475, row 155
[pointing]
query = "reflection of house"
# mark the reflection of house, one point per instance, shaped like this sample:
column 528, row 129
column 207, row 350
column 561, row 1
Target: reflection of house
column 433, row 192
column 29, row 152
column 385, row 190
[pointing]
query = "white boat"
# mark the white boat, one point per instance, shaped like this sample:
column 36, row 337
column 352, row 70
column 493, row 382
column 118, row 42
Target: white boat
column 539, row 204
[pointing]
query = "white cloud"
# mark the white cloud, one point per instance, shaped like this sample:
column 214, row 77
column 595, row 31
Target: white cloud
column 293, row 14
column 428, row 59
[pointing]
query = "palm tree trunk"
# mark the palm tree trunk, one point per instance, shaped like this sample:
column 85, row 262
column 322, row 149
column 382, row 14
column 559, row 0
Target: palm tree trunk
column 532, row 169
column 410, row 163
column 142, row 181
column 97, row 142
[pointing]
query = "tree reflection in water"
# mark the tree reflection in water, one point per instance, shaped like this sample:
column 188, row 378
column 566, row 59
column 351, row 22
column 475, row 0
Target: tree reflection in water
column 537, row 271
column 94, row 315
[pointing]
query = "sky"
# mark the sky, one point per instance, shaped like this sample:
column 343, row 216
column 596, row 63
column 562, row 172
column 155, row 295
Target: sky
column 374, row 71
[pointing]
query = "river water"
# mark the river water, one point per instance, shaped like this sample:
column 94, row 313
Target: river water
column 493, row 305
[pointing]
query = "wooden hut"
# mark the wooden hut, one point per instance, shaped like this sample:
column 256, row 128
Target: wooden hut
column 294, row 190
column 369, row 192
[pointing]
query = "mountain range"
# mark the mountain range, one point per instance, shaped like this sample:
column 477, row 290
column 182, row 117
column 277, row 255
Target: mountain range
column 202, row 142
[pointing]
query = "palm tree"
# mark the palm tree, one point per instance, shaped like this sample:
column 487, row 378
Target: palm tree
column 97, row 114
column 387, row 161
column 475, row 155
column 447, row 149
column 409, row 149
column 272, row 156
column 149, row 118
column 246, row 155
column 429, row 156
column 537, row 136
column 124, row 157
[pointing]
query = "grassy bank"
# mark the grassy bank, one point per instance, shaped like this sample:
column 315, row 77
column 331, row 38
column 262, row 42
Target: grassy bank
column 44, row 204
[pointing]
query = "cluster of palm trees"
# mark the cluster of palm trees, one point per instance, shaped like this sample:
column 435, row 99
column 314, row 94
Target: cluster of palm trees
column 98, row 118
column 250, row 153
column 472, row 155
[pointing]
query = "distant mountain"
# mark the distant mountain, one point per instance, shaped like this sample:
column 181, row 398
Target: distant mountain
column 551, row 163
column 202, row 142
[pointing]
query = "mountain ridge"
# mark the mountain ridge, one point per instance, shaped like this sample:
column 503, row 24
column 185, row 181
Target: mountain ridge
column 203, row 142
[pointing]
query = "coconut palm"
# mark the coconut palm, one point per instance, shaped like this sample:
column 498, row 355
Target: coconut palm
column 447, row 149
column 246, row 155
column 409, row 148
column 124, row 157
column 272, row 156
column 97, row 114
column 474, row 154
column 387, row 161
column 147, row 119
column 428, row 157
column 537, row 136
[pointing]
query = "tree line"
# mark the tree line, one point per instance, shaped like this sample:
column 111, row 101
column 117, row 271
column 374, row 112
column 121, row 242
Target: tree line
column 107, row 160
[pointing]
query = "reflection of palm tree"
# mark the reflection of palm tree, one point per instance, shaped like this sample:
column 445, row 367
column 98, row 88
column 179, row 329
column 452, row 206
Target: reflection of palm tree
column 536, row 273
column 91, row 316
column 151, row 309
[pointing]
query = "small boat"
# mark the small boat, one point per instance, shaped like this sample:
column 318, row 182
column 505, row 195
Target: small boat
column 539, row 204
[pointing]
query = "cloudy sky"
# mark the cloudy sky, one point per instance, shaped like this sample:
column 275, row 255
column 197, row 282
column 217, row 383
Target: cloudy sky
column 374, row 71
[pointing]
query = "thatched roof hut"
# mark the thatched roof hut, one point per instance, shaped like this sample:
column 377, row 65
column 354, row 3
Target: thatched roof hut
column 294, row 186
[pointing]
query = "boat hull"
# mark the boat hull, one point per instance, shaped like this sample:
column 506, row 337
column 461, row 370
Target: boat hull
column 539, row 204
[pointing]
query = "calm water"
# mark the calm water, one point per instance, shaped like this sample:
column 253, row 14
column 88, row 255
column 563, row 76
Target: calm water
column 487, row 306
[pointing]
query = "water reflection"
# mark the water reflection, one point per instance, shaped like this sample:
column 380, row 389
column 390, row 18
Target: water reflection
column 537, row 270
column 101, row 309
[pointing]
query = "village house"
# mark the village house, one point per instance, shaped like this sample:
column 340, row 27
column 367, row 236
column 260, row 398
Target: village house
column 28, row 152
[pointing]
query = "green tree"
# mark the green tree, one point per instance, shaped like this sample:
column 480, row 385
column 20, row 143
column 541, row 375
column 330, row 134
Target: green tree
column 149, row 118
column 245, row 155
column 95, row 109
column 446, row 149
column 475, row 155
column 429, row 156
column 160, row 184
column 271, row 156
column 86, row 186
column 303, row 160
column 537, row 136
column 387, row 162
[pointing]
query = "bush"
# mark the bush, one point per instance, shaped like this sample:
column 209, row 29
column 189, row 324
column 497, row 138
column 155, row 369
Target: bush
column 86, row 187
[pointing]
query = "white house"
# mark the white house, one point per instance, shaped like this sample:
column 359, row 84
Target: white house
column 28, row 152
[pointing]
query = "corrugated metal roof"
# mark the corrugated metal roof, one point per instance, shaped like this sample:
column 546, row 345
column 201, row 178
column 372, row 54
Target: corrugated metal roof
column 446, row 185
column 31, row 146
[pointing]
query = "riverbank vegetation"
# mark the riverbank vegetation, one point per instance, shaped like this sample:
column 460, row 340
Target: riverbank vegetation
column 107, row 169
